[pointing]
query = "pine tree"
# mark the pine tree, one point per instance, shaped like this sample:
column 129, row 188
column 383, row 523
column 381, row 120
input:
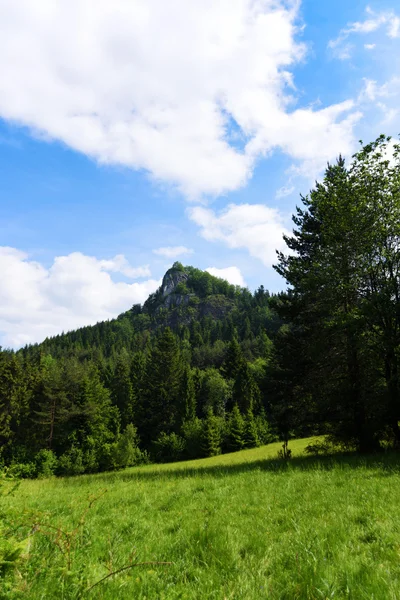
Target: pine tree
column 341, row 273
column 51, row 404
column 233, row 359
column 235, row 438
column 13, row 396
column 122, row 390
column 188, row 395
column 211, row 439
column 250, row 435
column 159, row 403
column 244, row 389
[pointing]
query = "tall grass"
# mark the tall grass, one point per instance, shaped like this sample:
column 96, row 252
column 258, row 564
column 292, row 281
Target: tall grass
column 239, row 526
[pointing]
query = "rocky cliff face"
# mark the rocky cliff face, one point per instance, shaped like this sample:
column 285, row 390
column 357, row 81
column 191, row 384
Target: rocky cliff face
column 171, row 280
column 177, row 303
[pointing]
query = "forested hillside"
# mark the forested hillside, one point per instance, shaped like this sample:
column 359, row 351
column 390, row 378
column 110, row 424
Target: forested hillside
column 205, row 367
column 182, row 376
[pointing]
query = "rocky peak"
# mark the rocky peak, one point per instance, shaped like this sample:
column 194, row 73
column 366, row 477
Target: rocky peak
column 171, row 280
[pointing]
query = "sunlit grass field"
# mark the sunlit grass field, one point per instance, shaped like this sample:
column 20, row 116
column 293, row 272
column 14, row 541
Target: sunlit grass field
column 238, row 526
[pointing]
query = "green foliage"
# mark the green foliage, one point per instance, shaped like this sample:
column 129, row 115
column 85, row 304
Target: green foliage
column 159, row 404
column 215, row 392
column 72, row 462
column 46, row 463
column 192, row 432
column 235, row 437
column 188, row 395
column 342, row 302
column 125, row 451
column 250, row 434
column 168, row 447
column 11, row 548
column 211, row 438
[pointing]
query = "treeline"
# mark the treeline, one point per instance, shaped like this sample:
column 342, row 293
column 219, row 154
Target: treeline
column 119, row 393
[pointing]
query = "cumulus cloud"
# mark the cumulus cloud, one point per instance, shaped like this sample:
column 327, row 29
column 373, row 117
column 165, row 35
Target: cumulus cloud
column 172, row 251
column 374, row 21
column 76, row 290
column 231, row 274
column 384, row 97
column 162, row 86
column 255, row 227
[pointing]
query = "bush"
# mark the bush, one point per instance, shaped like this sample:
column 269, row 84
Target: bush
column 11, row 549
column 71, row 462
column 168, row 447
column 46, row 463
column 22, row 470
column 192, row 434
column 264, row 431
column 125, row 452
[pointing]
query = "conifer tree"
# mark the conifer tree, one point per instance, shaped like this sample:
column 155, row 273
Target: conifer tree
column 233, row 359
column 250, row 435
column 211, row 438
column 235, row 438
column 244, row 389
column 188, row 395
column 122, row 390
column 13, row 396
column 159, row 403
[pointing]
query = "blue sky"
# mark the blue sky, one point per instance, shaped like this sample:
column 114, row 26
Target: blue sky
column 132, row 136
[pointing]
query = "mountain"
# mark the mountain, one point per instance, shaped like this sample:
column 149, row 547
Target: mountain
column 188, row 298
column 182, row 376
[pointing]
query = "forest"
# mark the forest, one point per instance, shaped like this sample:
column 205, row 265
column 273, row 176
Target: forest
column 205, row 367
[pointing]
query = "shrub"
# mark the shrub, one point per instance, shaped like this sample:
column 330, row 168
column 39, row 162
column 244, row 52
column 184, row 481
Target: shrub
column 46, row 463
column 168, row 447
column 10, row 548
column 264, row 431
column 71, row 462
column 125, row 452
column 22, row 470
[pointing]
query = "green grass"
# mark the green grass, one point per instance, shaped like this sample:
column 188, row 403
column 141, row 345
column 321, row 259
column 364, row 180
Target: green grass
column 239, row 526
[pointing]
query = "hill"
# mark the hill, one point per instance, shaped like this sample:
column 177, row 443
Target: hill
column 190, row 301
column 242, row 525
column 183, row 376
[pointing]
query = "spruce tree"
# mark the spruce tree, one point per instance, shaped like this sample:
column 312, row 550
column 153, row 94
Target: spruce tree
column 244, row 389
column 122, row 390
column 233, row 359
column 250, row 435
column 159, row 403
column 188, row 395
column 211, row 438
column 235, row 438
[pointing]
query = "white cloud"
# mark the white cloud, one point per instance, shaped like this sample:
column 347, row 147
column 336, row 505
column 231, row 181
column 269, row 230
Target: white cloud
column 156, row 85
column 284, row 191
column 231, row 274
column 172, row 251
column 255, row 227
column 374, row 22
column 394, row 27
column 384, row 97
column 119, row 264
column 75, row 290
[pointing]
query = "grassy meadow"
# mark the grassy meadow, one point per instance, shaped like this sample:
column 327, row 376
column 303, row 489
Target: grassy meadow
column 238, row 526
